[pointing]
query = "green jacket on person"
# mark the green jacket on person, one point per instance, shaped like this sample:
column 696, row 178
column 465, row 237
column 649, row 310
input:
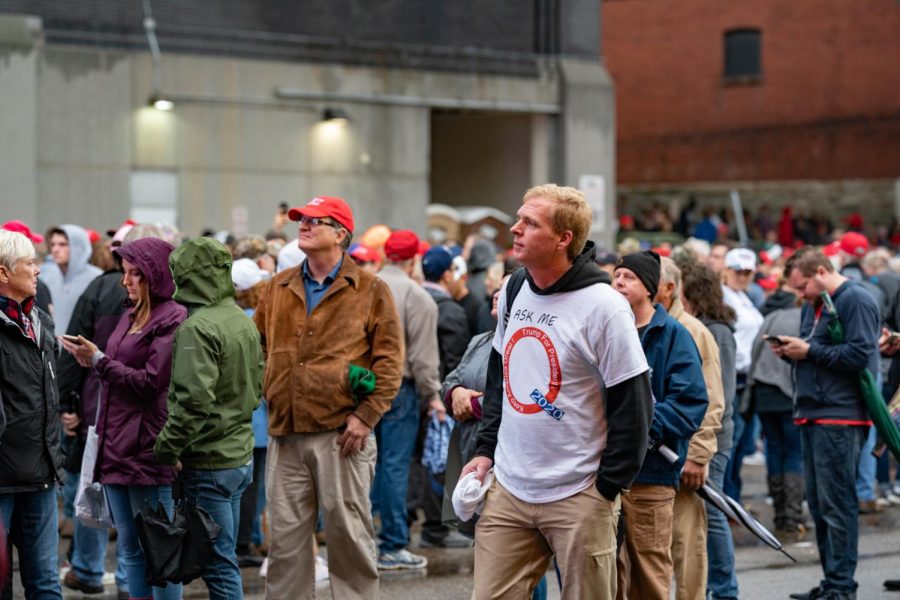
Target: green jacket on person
column 217, row 365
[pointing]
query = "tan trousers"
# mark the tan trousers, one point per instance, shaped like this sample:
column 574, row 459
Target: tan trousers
column 515, row 540
column 689, row 545
column 647, row 572
column 305, row 472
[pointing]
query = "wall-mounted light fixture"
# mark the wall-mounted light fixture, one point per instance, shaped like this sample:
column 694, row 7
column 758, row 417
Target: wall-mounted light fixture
column 157, row 100
column 160, row 103
column 335, row 115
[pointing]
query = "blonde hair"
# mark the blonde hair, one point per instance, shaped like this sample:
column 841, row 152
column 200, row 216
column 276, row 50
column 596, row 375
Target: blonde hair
column 570, row 212
column 670, row 273
column 141, row 313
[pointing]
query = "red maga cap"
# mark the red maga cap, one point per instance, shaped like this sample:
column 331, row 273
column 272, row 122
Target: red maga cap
column 325, row 206
column 21, row 227
column 402, row 244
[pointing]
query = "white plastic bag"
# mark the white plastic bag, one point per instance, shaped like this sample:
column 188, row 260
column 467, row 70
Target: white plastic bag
column 90, row 499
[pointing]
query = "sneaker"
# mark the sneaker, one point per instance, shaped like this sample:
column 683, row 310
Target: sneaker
column 893, row 497
column 882, row 502
column 892, row 585
column 72, row 581
column 401, row 559
column 321, row 569
column 109, row 578
column 757, row 459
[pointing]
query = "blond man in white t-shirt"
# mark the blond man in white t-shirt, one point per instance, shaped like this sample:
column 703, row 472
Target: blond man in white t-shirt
column 567, row 412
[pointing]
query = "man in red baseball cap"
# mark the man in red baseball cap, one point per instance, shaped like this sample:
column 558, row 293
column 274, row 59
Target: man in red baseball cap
column 396, row 433
column 325, row 206
column 318, row 414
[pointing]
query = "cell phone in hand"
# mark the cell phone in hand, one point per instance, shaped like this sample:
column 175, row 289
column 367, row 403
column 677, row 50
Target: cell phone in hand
column 72, row 339
column 774, row 340
column 894, row 337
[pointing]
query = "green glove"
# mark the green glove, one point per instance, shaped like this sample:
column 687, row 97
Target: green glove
column 362, row 381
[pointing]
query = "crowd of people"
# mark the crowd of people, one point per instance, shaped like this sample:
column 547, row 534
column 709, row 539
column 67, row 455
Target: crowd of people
column 304, row 389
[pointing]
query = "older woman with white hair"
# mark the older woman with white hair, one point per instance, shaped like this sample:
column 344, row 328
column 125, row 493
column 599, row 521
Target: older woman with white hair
column 30, row 457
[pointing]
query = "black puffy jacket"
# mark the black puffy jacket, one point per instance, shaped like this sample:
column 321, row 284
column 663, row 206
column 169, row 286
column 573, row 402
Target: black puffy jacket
column 30, row 456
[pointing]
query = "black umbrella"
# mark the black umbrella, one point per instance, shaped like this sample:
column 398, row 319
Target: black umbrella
column 732, row 509
column 176, row 550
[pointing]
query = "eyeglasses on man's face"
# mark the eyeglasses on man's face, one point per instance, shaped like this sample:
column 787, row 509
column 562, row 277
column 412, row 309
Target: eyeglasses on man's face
column 316, row 221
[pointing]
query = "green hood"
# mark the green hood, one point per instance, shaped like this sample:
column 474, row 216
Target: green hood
column 202, row 271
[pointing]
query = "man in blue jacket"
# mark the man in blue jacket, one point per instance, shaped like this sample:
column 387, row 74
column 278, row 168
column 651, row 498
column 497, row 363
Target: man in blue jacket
column 680, row 402
column 830, row 408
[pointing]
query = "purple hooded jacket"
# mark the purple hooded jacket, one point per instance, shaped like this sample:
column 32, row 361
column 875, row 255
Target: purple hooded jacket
column 136, row 372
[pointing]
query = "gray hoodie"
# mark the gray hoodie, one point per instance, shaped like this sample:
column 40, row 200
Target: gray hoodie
column 66, row 289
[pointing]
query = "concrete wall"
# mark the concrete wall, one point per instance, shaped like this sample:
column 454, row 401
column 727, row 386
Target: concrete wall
column 83, row 129
column 19, row 40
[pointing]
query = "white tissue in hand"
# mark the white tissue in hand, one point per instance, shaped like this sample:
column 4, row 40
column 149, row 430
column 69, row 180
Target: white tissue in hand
column 468, row 497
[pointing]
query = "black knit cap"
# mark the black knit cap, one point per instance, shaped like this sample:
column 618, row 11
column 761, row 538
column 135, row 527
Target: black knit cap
column 646, row 266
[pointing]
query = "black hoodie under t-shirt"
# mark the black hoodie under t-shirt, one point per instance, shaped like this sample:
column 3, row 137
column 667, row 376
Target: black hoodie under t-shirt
column 629, row 405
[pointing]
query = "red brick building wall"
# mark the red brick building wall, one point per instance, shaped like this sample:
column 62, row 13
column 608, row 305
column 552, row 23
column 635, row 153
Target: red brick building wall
column 826, row 106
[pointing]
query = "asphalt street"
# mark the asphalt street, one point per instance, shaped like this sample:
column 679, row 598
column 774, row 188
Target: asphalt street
column 762, row 572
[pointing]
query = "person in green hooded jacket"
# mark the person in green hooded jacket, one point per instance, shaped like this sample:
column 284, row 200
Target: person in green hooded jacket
column 216, row 385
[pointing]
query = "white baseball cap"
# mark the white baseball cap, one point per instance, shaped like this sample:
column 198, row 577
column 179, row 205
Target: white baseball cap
column 740, row 259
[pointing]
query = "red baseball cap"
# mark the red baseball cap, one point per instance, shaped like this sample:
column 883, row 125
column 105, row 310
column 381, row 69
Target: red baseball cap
column 831, row 249
column 20, row 227
column 854, row 243
column 402, row 244
column 365, row 254
column 325, row 206
column 767, row 283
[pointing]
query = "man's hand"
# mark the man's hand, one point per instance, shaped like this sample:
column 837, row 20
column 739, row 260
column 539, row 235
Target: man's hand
column 436, row 407
column 480, row 465
column 693, row 475
column 179, row 467
column 887, row 344
column 461, row 402
column 70, row 422
column 354, row 437
column 793, row 347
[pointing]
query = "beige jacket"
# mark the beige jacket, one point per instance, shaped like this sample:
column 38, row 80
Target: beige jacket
column 703, row 443
column 419, row 318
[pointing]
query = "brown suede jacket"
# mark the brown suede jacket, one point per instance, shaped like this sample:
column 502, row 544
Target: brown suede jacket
column 308, row 357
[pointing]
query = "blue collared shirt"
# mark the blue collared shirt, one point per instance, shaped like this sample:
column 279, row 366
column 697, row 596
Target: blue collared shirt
column 315, row 291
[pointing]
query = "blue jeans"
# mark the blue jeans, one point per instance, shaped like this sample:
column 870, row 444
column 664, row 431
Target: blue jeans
column 721, row 581
column 865, row 481
column 125, row 502
column 29, row 519
column 745, row 434
column 395, row 436
column 219, row 492
column 784, row 453
column 830, row 465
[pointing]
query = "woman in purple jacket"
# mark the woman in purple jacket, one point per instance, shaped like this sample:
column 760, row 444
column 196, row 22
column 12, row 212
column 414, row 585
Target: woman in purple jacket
column 135, row 371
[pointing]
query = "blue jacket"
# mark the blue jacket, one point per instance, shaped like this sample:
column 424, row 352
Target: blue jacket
column 679, row 393
column 827, row 382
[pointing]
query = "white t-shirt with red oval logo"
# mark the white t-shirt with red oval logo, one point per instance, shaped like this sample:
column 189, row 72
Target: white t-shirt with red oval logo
column 560, row 352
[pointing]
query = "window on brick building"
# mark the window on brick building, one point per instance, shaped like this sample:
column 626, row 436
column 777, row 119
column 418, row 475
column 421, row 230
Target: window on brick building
column 742, row 54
